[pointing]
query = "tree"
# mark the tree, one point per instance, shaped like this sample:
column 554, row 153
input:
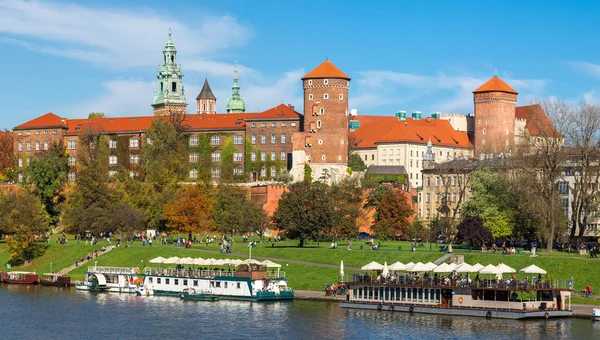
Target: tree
column 307, row 173
column 7, row 157
column 127, row 220
column 45, row 175
column 347, row 199
column 304, row 211
column 356, row 163
column 472, row 231
column 24, row 219
column 96, row 115
column 227, row 205
column 392, row 215
column 253, row 218
column 376, row 194
column 190, row 212
column 417, row 229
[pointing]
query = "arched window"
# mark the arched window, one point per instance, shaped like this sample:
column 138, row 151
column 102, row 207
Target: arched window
column 204, row 107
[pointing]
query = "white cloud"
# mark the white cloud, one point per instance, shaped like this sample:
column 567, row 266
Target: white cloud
column 586, row 67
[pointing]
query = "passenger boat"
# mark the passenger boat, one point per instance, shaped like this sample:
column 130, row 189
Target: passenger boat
column 20, row 277
column 110, row 279
column 190, row 294
column 486, row 298
column 54, row 279
column 143, row 290
column 248, row 281
column 596, row 314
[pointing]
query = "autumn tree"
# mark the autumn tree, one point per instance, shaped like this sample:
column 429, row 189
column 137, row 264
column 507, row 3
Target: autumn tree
column 24, row 219
column 190, row 212
column 472, row 231
column 392, row 215
column 46, row 175
column 305, row 211
column 7, row 157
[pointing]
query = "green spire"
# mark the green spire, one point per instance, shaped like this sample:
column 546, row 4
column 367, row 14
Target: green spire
column 170, row 88
column 235, row 104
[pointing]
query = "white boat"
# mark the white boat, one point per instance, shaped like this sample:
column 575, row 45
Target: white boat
column 110, row 279
column 250, row 281
column 596, row 314
column 144, row 290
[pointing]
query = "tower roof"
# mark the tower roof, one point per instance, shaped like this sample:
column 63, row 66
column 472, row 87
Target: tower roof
column 206, row 92
column 326, row 70
column 495, row 85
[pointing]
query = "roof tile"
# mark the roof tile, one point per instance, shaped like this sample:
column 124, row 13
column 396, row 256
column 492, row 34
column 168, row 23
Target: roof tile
column 47, row 120
column 326, row 70
column 495, row 85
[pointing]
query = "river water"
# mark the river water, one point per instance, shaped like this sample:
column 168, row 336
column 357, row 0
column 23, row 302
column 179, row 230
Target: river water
column 38, row 312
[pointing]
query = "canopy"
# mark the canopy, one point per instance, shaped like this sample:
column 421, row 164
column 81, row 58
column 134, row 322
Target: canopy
column 251, row 261
column 158, row 260
column 465, row 268
column 173, row 259
column 386, row 270
column 489, row 269
column 186, row 260
column 372, row 266
column 419, row 267
column 199, row 261
column 453, row 266
column 443, row 268
column 430, row 266
column 210, row 262
column 397, row 266
column 409, row 266
column 341, row 267
column 533, row 269
column 271, row 264
column 477, row 267
column 502, row 268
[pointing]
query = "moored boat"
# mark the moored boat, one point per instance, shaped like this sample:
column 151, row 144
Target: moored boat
column 596, row 314
column 20, row 277
column 54, row 279
column 192, row 295
column 110, row 279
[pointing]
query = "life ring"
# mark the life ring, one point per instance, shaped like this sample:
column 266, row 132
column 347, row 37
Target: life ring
column 379, row 307
column 137, row 270
column 392, row 308
column 488, row 315
column 546, row 315
column 411, row 309
column 461, row 299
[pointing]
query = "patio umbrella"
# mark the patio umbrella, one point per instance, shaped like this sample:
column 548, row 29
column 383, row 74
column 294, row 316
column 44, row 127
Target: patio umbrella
column 173, row 260
column 533, row 269
column 465, row 268
column 419, row 267
column 453, row 266
column 186, row 260
column 342, row 268
column 477, row 267
column 251, row 261
column 372, row 266
column 489, row 269
column 397, row 266
column 409, row 266
column 505, row 269
column 271, row 264
column 199, row 261
column 386, row 271
column 443, row 268
column 158, row 260
column 430, row 266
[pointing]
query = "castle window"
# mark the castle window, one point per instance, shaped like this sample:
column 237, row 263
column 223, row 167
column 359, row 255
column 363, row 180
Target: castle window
column 310, row 82
column 162, row 87
column 37, row 133
column 283, row 124
column 253, row 139
column 293, row 124
column 20, row 147
column 37, row 146
column 283, row 138
column 479, row 121
column 487, row 121
column 20, row 162
column 503, row 122
column 263, row 139
column 134, row 159
column 321, row 111
column 174, row 86
column 28, row 146
column 263, row 172
column 253, row 125
column 310, row 97
column 19, row 133
column 237, row 156
column 112, row 159
column 283, row 155
column 53, row 132
column 238, row 171
column 46, row 146
column 273, row 124
column 263, row 156
column 263, row 125
column 72, row 144
column 320, row 142
column 483, row 131
column 326, row 96
column 172, row 59
column 273, row 171
column 216, row 172
column 193, row 157
column 365, row 157
column 193, row 140
column 339, row 158
column 45, row 132
column 212, row 106
column 318, row 124
column 373, row 157
column 253, row 156
column 193, row 174
column 325, row 81
column 237, row 139
column 204, row 107
column 215, row 140
column 216, row 156
column 273, row 156
column 112, row 144
column 71, row 176
column 323, row 157
column 134, row 142
column 341, row 97
column 273, row 139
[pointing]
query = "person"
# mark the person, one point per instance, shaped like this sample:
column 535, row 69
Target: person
column 588, row 290
column 349, row 245
column 483, row 248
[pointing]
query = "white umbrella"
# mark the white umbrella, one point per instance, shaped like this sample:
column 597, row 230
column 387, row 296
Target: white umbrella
column 397, row 266
column 419, row 267
column 489, row 269
column 453, row 266
column 210, row 262
column 186, row 260
column 372, row 266
column 505, row 269
column 271, row 264
column 409, row 266
column 251, row 261
column 199, row 261
column 173, row 260
column 386, row 271
column 221, row 262
column 158, row 260
column 465, row 268
column 443, row 268
column 477, row 267
column 533, row 269
column 342, row 268
column 430, row 266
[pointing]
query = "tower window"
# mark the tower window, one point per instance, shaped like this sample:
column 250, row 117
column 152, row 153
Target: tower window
column 310, row 97
column 310, row 82
column 325, row 81
column 172, row 59
column 174, row 86
column 162, row 88
column 321, row 111
column 326, row 96
column 341, row 97
column 204, row 107
column 484, row 131
column 318, row 124
column 212, row 107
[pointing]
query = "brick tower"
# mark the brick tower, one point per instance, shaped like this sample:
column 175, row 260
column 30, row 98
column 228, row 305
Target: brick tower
column 206, row 102
column 326, row 120
column 495, row 103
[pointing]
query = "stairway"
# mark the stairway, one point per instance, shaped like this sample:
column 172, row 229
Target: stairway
column 442, row 259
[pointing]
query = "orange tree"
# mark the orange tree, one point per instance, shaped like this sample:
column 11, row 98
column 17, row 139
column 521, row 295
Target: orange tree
column 190, row 212
column 392, row 215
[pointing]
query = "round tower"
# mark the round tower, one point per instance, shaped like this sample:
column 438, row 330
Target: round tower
column 326, row 115
column 494, row 108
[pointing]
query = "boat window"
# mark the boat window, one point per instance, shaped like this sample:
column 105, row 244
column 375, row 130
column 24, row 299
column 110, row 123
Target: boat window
column 212, row 283
column 195, row 283
column 354, row 293
column 420, row 295
column 158, row 280
column 370, row 293
column 376, row 293
column 218, row 284
column 176, row 281
column 387, row 293
column 185, row 282
column 239, row 286
column 167, row 281
column 150, row 279
column 437, row 295
column 414, row 294
column 225, row 284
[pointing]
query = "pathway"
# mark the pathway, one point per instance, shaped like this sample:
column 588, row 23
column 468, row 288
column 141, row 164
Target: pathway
column 66, row 270
column 442, row 259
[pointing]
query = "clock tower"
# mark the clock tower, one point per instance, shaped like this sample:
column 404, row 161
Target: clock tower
column 169, row 97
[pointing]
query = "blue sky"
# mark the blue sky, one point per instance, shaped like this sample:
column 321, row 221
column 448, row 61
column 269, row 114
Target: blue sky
column 72, row 58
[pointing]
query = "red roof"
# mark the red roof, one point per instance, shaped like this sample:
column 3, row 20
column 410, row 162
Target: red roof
column 326, row 70
column 537, row 123
column 389, row 129
column 47, row 120
column 495, row 85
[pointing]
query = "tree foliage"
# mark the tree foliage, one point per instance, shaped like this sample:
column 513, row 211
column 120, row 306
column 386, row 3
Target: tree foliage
column 190, row 212
column 253, row 218
column 304, row 211
column 392, row 215
column 227, row 207
column 6, row 154
column 24, row 219
column 472, row 231
column 356, row 163
column 46, row 175
column 307, row 173
column 347, row 199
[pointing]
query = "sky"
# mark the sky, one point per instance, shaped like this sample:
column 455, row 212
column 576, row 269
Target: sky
column 72, row 58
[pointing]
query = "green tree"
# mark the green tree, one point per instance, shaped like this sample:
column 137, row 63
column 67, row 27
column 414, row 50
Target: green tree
column 127, row 220
column 96, row 115
column 24, row 220
column 253, row 219
column 392, row 215
column 304, row 211
column 307, row 173
column 356, row 163
column 347, row 199
column 227, row 205
column 376, row 194
column 46, row 176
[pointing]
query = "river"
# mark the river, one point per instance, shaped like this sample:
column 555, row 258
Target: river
column 38, row 312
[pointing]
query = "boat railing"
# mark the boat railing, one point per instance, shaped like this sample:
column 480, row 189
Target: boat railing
column 467, row 282
column 203, row 273
column 276, row 275
column 112, row 270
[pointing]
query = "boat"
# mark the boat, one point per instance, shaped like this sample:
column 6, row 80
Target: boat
column 511, row 299
column 192, row 295
column 249, row 281
column 110, row 279
column 596, row 314
column 54, row 279
column 143, row 290
column 20, row 277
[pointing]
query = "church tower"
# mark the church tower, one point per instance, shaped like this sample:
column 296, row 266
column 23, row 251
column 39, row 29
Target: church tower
column 495, row 104
column 206, row 102
column 326, row 119
column 169, row 97
column 235, row 104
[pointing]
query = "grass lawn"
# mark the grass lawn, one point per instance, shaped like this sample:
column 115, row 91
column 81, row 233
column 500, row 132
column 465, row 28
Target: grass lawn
column 303, row 276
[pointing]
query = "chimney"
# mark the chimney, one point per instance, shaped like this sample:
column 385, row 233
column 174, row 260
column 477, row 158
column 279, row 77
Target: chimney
column 436, row 115
column 401, row 115
column 291, row 106
column 416, row 115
